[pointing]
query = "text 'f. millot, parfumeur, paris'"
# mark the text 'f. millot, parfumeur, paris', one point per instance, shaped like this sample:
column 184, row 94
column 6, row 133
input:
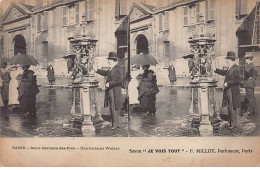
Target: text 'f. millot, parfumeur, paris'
column 213, row 151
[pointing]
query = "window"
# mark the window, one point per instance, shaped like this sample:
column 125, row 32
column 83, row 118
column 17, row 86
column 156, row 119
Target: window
column 121, row 8
column 39, row 23
column 45, row 21
column 185, row 9
column 166, row 20
column 65, row 16
column 77, row 12
column 160, row 22
column 241, row 8
column 210, row 9
column 90, row 9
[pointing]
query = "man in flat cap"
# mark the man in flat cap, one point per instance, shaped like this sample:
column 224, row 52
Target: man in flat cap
column 113, row 95
column 249, row 84
column 231, row 93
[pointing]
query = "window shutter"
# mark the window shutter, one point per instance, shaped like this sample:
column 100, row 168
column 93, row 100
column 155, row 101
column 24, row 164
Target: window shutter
column 192, row 15
column 197, row 13
column 39, row 24
column 71, row 15
column 243, row 7
column 86, row 9
column 166, row 20
column 160, row 22
column 65, row 15
column 45, row 21
column 77, row 13
column 212, row 9
column 185, row 15
column 90, row 9
column 207, row 10
column 123, row 7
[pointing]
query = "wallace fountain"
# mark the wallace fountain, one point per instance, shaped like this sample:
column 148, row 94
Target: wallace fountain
column 85, row 109
column 203, row 110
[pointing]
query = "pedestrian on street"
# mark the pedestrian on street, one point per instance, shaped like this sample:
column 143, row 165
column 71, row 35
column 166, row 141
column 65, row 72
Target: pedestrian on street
column 70, row 64
column 27, row 91
column 172, row 73
column 231, row 93
column 13, row 87
column 133, row 84
column 113, row 94
column 147, row 93
column 5, row 75
column 50, row 75
column 250, row 77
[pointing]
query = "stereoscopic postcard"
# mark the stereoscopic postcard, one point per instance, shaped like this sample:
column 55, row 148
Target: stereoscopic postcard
column 127, row 83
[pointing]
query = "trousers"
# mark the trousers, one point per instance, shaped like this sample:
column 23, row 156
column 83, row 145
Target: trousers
column 233, row 112
column 250, row 101
column 114, row 112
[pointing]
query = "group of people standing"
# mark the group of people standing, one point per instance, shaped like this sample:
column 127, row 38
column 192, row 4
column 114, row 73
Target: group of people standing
column 18, row 87
column 231, row 92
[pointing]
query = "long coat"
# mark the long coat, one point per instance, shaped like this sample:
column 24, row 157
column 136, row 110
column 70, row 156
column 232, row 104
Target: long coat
column 5, row 89
column 27, row 90
column 172, row 74
column 250, row 76
column 50, row 74
column 115, row 80
column 232, row 78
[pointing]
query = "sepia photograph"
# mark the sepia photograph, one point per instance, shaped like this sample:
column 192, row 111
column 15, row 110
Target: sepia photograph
column 130, row 73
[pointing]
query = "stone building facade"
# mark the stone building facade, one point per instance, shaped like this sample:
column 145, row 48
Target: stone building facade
column 42, row 27
column 160, row 28
column 164, row 30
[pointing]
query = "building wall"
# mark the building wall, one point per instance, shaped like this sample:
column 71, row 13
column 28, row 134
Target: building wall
column 56, row 35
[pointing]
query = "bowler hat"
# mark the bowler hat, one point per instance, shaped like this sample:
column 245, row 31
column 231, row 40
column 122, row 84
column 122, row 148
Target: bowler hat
column 231, row 55
column 249, row 56
column 112, row 56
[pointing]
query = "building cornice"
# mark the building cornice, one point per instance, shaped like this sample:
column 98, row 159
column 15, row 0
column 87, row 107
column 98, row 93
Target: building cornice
column 143, row 27
column 23, row 27
column 175, row 5
column 54, row 5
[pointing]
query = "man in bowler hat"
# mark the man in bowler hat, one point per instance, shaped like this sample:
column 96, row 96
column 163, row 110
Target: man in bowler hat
column 231, row 93
column 113, row 95
column 250, row 77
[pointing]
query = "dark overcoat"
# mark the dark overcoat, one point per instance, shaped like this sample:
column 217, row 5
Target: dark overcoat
column 50, row 75
column 27, row 90
column 250, row 76
column 115, row 80
column 5, row 89
column 232, row 78
column 172, row 73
